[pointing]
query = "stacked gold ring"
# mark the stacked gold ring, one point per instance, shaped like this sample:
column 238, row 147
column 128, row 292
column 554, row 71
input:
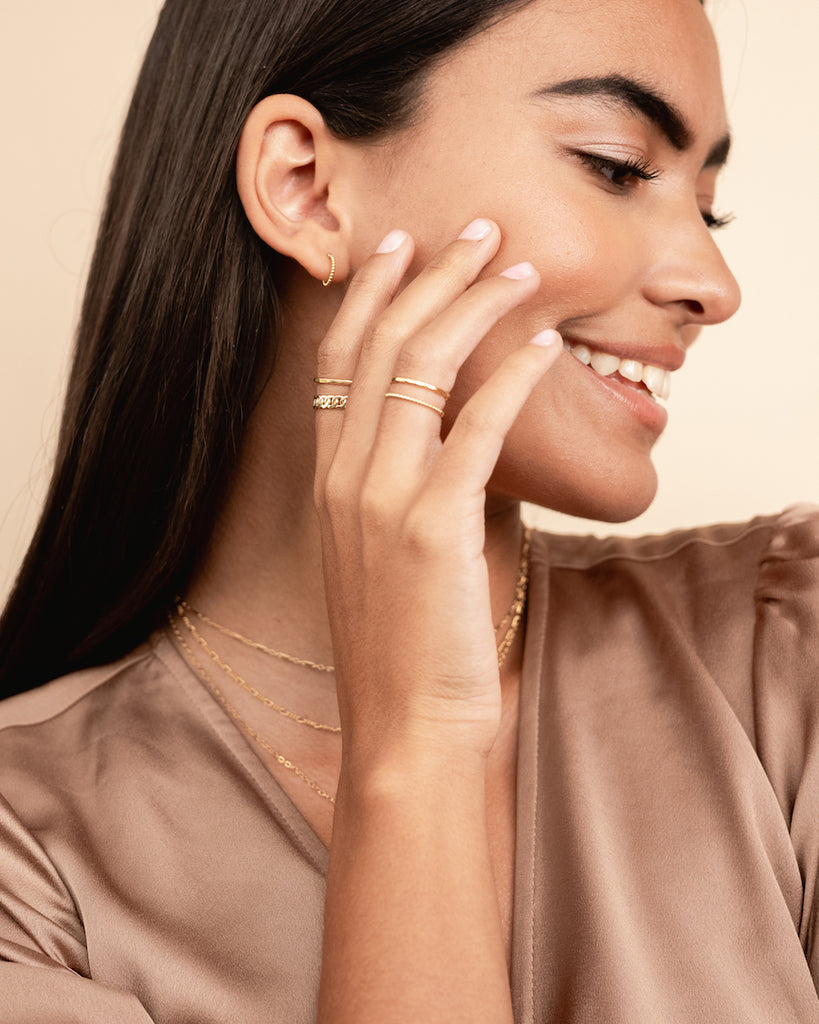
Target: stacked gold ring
column 331, row 401
column 417, row 401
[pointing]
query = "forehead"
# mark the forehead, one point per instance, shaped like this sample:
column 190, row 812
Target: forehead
column 665, row 44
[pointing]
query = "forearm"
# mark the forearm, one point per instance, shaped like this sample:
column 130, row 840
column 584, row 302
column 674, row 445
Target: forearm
column 412, row 929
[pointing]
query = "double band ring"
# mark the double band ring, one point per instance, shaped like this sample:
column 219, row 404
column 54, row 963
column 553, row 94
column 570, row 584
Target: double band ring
column 331, row 401
column 422, row 384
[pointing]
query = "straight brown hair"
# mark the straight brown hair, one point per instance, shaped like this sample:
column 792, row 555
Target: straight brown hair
column 181, row 305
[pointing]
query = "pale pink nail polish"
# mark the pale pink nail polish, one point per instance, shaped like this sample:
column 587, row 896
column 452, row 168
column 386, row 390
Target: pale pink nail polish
column 393, row 241
column 519, row 271
column 475, row 231
column 547, row 338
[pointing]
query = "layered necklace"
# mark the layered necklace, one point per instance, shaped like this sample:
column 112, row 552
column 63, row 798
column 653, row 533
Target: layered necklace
column 184, row 614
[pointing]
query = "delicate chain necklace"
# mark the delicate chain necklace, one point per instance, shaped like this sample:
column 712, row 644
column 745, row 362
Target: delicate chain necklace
column 511, row 622
column 267, row 701
column 513, row 618
column 231, row 710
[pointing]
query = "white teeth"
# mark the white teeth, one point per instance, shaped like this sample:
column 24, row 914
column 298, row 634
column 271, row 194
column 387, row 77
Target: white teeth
column 583, row 353
column 657, row 380
column 605, row 364
column 631, row 370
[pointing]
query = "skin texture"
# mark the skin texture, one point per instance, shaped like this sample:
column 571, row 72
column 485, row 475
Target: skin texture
column 377, row 540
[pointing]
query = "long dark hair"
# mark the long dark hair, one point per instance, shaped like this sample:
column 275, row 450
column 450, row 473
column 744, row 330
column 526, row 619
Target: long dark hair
column 181, row 304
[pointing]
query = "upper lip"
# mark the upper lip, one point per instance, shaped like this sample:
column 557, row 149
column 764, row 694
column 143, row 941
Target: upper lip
column 666, row 357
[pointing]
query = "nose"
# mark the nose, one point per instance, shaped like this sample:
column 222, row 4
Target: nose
column 689, row 275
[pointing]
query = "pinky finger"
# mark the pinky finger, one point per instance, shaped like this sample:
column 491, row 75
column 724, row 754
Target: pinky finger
column 474, row 443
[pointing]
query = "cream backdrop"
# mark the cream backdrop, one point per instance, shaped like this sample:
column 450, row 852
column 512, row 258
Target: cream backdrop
column 744, row 414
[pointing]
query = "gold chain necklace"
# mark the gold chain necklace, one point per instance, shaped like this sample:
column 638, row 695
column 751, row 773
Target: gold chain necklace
column 231, row 710
column 513, row 617
column 267, row 701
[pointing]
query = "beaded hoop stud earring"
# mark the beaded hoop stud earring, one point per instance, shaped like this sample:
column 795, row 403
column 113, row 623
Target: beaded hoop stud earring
column 329, row 280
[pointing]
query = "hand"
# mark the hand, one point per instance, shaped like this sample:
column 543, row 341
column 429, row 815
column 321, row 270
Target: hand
column 401, row 512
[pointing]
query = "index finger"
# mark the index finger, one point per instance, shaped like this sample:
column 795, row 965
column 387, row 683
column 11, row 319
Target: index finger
column 370, row 292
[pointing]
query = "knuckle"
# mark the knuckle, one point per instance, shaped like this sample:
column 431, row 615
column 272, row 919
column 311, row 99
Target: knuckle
column 334, row 498
column 424, row 536
column 331, row 354
column 475, row 421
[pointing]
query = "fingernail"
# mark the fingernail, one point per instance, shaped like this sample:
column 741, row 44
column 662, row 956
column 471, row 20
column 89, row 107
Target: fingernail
column 547, row 338
column 519, row 271
column 393, row 241
column 477, row 230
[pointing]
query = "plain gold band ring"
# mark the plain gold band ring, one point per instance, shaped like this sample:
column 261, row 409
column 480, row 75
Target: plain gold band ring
column 422, row 384
column 330, row 402
column 415, row 401
column 332, row 380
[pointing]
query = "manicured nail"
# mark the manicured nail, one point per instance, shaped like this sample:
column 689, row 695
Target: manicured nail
column 393, row 241
column 547, row 338
column 519, row 271
column 477, row 230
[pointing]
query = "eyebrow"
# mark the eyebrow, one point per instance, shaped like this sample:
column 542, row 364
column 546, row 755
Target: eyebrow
column 641, row 99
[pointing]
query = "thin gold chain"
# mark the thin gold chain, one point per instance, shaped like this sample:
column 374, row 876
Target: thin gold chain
column 513, row 618
column 280, row 758
column 255, row 644
column 519, row 604
column 267, row 701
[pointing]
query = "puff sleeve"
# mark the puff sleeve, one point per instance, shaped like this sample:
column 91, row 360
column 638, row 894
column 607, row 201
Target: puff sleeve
column 43, row 961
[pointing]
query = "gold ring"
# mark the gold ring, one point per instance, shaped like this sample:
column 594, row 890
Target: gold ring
column 330, row 402
column 332, row 380
column 415, row 401
column 422, row 384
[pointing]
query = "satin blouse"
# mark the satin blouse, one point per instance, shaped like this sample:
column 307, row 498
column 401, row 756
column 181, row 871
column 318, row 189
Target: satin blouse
column 667, row 839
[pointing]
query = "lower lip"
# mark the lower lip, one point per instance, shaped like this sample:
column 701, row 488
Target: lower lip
column 636, row 399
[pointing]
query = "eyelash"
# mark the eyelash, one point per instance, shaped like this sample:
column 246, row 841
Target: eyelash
column 640, row 170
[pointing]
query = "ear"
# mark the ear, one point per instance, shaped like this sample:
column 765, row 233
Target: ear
column 290, row 177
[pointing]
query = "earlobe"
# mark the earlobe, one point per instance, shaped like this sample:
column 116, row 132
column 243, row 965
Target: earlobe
column 286, row 173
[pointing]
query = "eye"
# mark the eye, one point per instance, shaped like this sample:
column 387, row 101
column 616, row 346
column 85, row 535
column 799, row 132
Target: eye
column 714, row 223
column 619, row 173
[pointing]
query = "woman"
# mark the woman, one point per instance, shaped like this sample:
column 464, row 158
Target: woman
column 601, row 813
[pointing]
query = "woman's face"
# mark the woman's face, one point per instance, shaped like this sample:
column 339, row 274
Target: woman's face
column 592, row 133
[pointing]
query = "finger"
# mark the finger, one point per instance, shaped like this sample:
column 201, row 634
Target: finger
column 434, row 289
column 473, row 445
column 369, row 294
column 409, row 431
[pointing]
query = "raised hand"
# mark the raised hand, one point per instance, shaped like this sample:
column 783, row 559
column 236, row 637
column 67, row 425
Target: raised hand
column 402, row 512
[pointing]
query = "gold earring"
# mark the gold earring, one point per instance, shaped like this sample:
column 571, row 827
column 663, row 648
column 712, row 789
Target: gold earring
column 329, row 280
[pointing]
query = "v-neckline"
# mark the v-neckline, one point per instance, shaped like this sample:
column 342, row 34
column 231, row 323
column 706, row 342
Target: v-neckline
column 304, row 837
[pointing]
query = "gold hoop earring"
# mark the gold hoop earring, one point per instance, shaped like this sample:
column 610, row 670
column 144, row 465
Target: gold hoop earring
column 329, row 280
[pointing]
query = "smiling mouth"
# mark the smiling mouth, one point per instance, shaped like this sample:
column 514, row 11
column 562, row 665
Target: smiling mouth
column 653, row 379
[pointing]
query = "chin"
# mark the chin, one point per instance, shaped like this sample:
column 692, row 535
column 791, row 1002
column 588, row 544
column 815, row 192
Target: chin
column 608, row 494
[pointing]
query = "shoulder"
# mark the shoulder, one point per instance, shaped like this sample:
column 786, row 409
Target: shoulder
column 735, row 607
column 91, row 730
column 710, row 579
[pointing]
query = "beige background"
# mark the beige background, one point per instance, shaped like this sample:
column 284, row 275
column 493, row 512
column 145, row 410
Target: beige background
column 744, row 412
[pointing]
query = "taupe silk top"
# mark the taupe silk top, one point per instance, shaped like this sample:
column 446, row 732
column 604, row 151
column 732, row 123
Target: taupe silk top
column 667, row 850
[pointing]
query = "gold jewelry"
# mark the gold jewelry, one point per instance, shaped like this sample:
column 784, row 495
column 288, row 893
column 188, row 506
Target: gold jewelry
column 332, row 380
column 231, row 710
column 329, row 280
column 519, row 602
column 255, row 644
column 263, row 698
column 330, row 402
column 421, row 384
column 415, row 401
